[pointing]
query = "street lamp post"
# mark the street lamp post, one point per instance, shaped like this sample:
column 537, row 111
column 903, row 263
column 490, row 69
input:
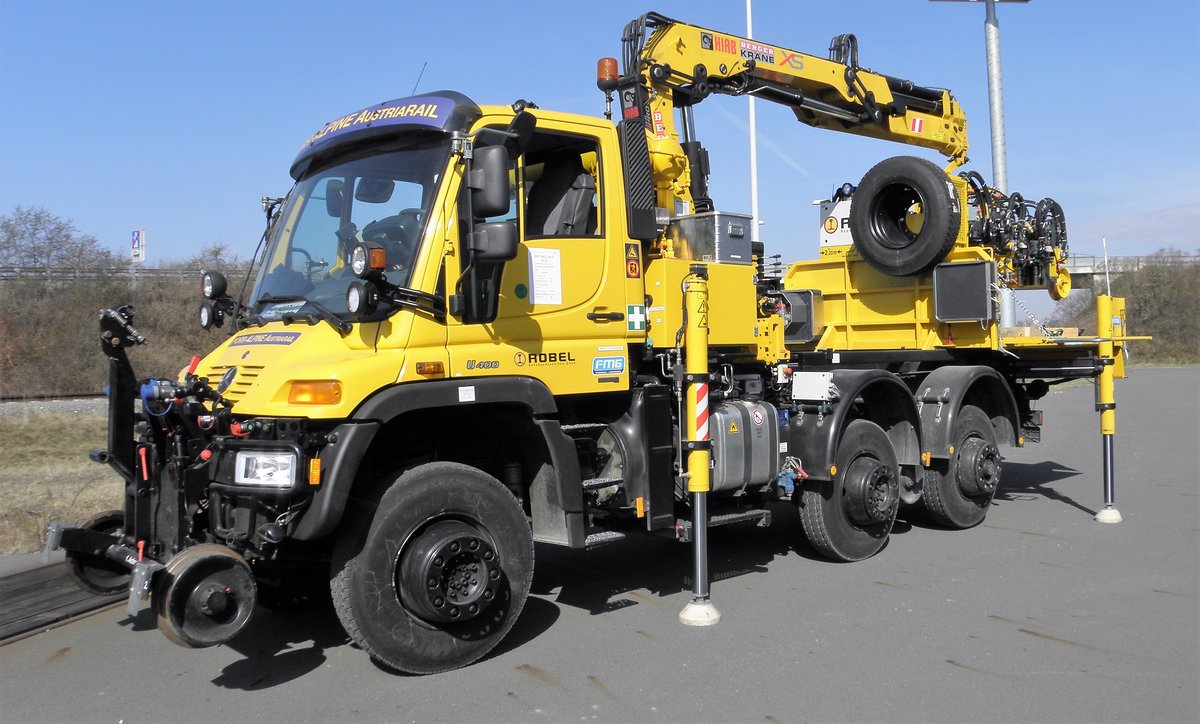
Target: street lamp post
column 991, row 35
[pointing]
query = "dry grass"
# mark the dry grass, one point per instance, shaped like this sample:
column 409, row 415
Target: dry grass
column 45, row 476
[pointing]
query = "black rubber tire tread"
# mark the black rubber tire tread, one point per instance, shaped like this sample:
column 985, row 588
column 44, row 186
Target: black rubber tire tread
column 365, row 554
column 944, row 501
column 868, row 225
column 823, row 513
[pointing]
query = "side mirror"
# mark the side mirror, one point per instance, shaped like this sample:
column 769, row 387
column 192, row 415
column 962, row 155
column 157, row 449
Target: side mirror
column 488, row 181
column 494, row 241
column 521, row 130
column 334, row 197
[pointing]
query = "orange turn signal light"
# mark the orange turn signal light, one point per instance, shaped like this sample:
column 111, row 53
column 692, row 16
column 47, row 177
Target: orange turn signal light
column 314, row 471
column 431, row 368
column 315, row 392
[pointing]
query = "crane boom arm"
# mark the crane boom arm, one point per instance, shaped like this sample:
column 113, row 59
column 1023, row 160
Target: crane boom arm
column 681, row 64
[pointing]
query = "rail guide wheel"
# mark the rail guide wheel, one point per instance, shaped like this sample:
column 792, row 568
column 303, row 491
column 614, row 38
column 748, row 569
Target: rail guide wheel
column 204, row 596
column 96, row 573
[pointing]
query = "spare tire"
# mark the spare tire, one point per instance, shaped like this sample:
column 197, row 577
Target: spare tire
column 905, row 216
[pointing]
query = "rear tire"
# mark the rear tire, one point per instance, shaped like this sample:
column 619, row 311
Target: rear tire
column 850, row 517
column 886, row 229
column 436, row 574
column 959, row 497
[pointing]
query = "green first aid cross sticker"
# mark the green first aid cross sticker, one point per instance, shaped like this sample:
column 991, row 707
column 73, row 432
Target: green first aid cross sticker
column 635, row 318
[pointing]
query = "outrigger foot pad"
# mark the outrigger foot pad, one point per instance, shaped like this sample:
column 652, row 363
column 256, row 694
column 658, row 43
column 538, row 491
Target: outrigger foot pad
column 1108, row 515
column 700, row 612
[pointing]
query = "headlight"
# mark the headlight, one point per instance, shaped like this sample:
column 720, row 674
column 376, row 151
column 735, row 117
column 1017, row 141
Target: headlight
column 362, row 298
column 266, row 468
column 213, row 284
column 210, row 316
column 367, row 260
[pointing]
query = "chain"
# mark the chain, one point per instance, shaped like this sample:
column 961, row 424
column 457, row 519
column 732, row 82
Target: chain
column 1000, row 285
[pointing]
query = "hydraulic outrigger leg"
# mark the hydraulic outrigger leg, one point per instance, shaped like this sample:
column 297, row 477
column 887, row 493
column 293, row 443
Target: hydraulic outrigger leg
column 701, row 611
column 1106, row 402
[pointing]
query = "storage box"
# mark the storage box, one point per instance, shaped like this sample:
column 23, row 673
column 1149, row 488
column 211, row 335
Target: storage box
column 711, row 236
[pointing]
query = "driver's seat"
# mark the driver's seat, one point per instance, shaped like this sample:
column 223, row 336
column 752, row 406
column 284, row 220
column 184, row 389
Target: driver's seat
column 561, row 201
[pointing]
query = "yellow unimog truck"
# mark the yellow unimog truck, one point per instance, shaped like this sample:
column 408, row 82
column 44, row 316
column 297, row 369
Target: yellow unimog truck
column 474, row 328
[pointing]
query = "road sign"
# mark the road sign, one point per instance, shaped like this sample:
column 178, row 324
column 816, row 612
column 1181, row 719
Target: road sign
column 137, row 248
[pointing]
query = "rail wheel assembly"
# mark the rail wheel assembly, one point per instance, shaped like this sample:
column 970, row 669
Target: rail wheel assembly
column 204, row 596
column 95, row 573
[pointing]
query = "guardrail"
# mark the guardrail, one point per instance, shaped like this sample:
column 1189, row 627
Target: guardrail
column 1091, row 264
column 128, row 273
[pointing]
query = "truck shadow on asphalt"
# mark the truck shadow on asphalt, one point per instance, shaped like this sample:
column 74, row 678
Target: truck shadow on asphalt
column 278, row 646
column 274, row 647
column 619, row 575
column 1025, row 479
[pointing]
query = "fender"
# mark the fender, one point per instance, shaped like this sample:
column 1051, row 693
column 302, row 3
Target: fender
column 562, row 491
column 888, row 403
column 945, row 390
column 339, row 459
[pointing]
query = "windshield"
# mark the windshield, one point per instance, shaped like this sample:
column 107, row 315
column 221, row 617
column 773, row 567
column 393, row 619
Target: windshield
column 384, row 198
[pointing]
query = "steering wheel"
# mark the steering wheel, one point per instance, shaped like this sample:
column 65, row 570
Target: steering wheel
column 397, row 234
column 310, row 265
column 398, row 229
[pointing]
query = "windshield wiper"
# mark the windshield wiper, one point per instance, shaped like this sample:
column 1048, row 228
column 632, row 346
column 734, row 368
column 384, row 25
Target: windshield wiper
column 323, row 313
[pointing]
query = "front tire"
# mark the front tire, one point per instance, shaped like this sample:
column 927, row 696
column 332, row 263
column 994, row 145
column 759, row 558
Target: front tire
column 436, row 574
column 850, row 517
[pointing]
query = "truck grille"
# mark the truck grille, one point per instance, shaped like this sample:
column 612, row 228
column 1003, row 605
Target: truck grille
column 247, row 375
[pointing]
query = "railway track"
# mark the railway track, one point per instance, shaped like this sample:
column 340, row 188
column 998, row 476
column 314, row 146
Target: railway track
column 43, row 598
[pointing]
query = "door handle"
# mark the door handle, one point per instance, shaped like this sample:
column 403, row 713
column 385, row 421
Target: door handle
column 606, row 316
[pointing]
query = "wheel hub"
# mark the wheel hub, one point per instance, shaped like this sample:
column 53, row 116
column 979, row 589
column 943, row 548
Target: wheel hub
column 897, row 216
column 978, row 467
column 450, row 572
column 872, row 492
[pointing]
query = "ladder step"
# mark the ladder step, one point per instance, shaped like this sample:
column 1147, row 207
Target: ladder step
column 761, row 518
column 598, row 483
column 602, row 537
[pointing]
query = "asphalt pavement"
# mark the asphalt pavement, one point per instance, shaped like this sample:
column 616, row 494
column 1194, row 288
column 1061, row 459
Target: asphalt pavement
column 1038, row 614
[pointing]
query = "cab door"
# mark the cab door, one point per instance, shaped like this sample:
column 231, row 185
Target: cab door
column 561, row 311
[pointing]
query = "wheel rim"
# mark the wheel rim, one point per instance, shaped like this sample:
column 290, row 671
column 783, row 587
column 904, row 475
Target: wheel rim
column 448, row 572
column 978, row 467
column 871, row 491
column 896, row 216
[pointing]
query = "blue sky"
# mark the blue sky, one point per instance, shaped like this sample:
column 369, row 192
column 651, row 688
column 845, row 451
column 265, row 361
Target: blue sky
column 177, row 117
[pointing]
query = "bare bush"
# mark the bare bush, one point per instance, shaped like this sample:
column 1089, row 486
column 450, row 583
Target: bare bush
column 1162, row 296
